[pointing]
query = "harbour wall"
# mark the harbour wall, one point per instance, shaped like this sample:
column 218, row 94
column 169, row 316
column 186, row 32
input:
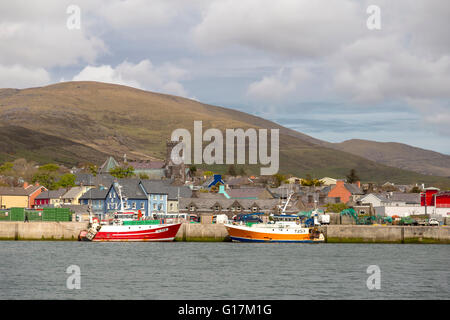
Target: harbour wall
column 218, row 233
column 12, row 230
column 386, row 234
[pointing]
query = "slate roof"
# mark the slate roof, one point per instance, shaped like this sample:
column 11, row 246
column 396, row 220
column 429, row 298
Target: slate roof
column 245, row 193
column 165, row 187
column 88, row 179
column 205, row 204
column 95, row 194
column 51, row 194
column 19, row 191
column 413, row 198
column 353, row 188
column 72, row 193
column 131, row 189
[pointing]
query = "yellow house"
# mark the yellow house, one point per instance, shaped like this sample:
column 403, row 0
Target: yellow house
column 19, row 197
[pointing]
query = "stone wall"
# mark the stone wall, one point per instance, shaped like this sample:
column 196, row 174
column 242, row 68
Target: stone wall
column 41, row 230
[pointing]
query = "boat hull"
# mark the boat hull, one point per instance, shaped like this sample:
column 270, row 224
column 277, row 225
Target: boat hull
column 252, row 234
column 160, row 233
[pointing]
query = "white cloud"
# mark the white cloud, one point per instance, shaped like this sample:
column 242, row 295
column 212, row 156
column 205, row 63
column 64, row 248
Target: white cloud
column 35, row 34
column 279, row 86
column 287, row 27
column 20, row 77
column 143, row 75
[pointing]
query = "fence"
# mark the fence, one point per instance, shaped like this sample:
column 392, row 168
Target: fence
column 47, row 214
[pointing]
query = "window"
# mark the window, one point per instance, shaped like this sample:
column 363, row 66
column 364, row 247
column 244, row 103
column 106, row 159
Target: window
column 255, row 209
column 171, row 206
column 154, row 197
column 217, row 208
column 134, row 205
column 142, row 205
column 154, row 206
column 192, row 208
column 115, row 206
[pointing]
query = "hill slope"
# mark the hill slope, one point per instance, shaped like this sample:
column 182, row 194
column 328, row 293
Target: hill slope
column 399, row 155
column 113, row 119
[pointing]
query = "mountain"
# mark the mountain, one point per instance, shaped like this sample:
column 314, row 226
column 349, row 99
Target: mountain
column 79, row 121
column 399, row 155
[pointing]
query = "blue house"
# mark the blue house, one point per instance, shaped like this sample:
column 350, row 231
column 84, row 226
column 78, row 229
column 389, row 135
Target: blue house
column 157, row 192
column 134, row 197
column 96, row 198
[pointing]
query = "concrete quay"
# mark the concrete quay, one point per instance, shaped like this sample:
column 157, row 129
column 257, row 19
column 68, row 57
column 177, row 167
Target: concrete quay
column 17, row 230
column 217, row 233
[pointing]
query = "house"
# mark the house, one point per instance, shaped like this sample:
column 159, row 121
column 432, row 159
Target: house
column 21, row 197
column 346, row 191
column 50, row 198
column 246, row 193
column 327, row 181
column 96, row 199
column 162, row 196
column 230, row 207
column 294, row 180
column 133, row 195
column 72, row 196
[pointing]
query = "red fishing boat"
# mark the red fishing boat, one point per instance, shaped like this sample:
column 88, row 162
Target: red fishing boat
column 129, row 226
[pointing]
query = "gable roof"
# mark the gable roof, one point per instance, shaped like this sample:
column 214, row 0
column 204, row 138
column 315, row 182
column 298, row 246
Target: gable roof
column 72, row 193
column 52, row 194
column 245, row 193
column 109, row 164
column 353, row 188
column 95, row 194
column 131, row 188
column 19, row 191
column 165, row 187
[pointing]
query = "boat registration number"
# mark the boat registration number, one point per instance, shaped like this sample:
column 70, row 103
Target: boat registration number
column 161, row 230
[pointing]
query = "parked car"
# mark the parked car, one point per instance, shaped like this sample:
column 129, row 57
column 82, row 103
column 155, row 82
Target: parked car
column 433, row 222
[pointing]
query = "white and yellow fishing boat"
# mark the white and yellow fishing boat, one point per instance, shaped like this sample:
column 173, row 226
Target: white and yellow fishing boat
column 282, row 228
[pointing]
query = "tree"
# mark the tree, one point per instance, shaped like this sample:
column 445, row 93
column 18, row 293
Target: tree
column 208, row 173
column 415, row 189
column 309, row 181
column 47, row 176
column 242, row 171
column 92, row 169
column 193, row 169
column 143, row 176
column 278, row 179
column 336, row 207
column 352, row 177
column 232, row 170
column 120, row 172
column 6, row 168
column 66, row 181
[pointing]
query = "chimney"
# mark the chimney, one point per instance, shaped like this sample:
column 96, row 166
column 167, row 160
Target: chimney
column 340, row 183
column 358, row 184
column 37, row 184
column 25, row 185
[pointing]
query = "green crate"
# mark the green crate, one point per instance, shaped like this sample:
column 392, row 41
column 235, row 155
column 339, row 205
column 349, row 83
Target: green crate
column 17, row 214
column 5, row 215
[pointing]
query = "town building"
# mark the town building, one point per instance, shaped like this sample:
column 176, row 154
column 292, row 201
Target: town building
column 50, row 198
column 346, row 191
column 21, row 197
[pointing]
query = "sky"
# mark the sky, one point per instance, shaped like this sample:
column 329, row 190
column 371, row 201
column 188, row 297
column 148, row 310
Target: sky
column 313, row 66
